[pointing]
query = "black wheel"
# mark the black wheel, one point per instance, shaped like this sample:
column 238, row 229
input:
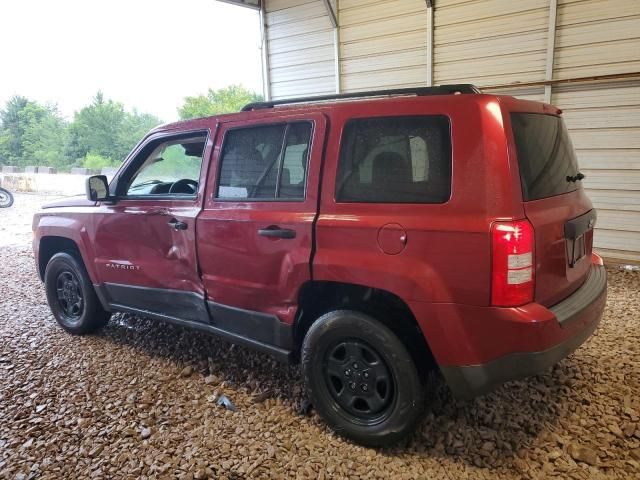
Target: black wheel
column 6, row 199
column 71, row 296
column 361, row 378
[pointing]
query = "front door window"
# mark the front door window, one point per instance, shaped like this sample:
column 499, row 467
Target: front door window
column 169, row 167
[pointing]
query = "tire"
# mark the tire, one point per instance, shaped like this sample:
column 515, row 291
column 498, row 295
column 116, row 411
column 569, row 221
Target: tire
column 6, row 198
column 71, row 296
column 337, row 351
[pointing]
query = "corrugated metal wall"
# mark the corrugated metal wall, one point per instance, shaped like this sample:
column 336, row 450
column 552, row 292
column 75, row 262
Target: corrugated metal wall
column 604, row 121
column 300, row 48
column 597, row 37
column 382, row 44
column 602, row 37
column 491, row 43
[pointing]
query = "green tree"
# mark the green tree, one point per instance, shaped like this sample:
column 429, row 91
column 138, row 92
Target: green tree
column 96, row 162
column 95, row 129
column 32, row 134
column 133, row 128
column 44, row 137
column 101, row 134
column 11, row 131
column 224, row 100
column 105, row 129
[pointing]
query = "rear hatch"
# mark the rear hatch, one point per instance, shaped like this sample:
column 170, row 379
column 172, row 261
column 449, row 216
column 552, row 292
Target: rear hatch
column 555, row 203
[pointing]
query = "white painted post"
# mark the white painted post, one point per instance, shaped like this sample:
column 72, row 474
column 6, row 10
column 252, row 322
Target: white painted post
column 264, row 51
column 429, row 43
column 551, row 46
column 336, row 57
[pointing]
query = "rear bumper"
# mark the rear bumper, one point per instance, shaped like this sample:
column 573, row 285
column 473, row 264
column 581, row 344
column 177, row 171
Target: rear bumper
column 557, row 331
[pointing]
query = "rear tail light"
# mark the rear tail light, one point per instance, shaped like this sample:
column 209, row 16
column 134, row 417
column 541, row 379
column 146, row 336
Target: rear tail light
column 596, row 259
column 512, row 274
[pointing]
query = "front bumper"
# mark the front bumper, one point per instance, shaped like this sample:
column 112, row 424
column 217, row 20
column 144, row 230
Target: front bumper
column 576, row 318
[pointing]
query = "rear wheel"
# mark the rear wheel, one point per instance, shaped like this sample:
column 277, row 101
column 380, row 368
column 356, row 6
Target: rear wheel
column 361, row 378
column 71, row 296
column 6, row 199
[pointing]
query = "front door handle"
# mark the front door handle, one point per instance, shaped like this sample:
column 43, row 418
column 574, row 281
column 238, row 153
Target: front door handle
column 177, row 224
column 274, row 231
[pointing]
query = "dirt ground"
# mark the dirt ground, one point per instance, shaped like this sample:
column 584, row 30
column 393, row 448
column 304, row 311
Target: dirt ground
column 138, row 400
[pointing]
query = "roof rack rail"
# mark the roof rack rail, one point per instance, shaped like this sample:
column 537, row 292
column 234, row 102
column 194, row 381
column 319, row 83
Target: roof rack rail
column 418, row 91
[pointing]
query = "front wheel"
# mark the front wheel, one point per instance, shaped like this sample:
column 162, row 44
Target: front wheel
column 71, row 296
column 6, row 199
column 361, row 378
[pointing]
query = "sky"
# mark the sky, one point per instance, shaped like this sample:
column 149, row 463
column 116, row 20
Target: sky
column 147, row 54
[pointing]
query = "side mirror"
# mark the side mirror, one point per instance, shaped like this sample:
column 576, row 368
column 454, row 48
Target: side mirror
column 97, row 188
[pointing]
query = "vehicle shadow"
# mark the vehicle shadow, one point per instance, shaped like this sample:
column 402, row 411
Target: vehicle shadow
column 495, row 429
column 236, row 365
column 486, row 432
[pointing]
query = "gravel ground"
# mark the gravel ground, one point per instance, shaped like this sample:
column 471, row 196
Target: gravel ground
column 138, row 400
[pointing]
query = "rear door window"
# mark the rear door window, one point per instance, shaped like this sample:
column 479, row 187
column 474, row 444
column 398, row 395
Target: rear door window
column 545, row 155
column 265, row 162
column 395, row 160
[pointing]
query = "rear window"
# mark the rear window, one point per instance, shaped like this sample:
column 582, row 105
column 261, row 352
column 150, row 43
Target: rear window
column 545, row 155
column 395, row 160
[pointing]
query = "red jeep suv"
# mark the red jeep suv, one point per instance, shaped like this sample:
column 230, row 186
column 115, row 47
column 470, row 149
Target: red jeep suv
column 372, row 236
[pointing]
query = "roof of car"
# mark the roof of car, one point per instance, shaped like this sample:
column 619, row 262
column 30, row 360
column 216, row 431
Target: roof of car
column 268, row 109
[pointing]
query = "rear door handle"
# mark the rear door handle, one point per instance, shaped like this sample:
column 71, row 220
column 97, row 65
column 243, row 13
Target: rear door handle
column 274, row 231
column 177, row 224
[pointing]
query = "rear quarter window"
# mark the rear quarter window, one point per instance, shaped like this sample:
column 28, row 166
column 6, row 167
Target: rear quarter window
column 545, row 155
column 395, row 160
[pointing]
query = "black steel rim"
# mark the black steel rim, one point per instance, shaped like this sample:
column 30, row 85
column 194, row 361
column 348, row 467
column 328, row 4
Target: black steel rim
column 69, row 295
column 359, row 381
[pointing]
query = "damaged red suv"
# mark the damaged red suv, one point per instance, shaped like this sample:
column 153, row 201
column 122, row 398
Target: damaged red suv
column 373, row 237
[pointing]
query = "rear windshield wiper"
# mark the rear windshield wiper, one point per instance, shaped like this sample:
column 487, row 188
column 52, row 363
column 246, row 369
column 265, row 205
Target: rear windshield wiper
column 577, row 177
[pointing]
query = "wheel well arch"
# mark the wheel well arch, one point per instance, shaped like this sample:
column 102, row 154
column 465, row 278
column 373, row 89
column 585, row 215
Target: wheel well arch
column 49, row 246
column 319, row 297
